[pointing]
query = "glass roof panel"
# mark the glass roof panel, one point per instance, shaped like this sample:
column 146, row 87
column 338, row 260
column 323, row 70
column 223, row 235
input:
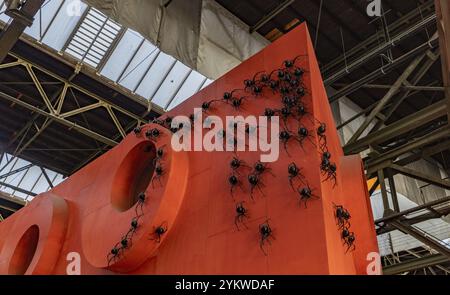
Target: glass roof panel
column 172, row 83
column 122, row 55
column 191, row 86
column 138, row 66
column 43, row 18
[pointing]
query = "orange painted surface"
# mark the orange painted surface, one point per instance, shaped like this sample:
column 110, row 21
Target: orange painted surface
column 92, row 210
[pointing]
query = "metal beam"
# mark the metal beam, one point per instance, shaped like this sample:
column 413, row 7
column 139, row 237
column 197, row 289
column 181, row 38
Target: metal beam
column 393, row 190
column 394, row 89
column 18, row 189
column 432, row 57
column 282, row 6
column 418, row 263
column 15, row 171
column 49, row 181
column 412, row 145
column 384, row 195
column 400, row 127
column 403, row 87
column 432, row 43
column 417, row 27
column 422, row 237
column 374, row 39
column 394, row 216
column 443, row 24
column 445, row 184
column 15, row 29
column 60, row 120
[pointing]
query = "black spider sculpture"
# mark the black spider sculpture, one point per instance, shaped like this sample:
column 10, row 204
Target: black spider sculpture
column 260, row 168
column 289, row 102
column 285, row 89
column 304, row 134
column 206, row 106
column 306, row 194
column 158, row 122
column 324, row 165
column 228, row 96
column 257, row 90
column 128, row 238
column 168, row 121
column 342, row 216
column 114, row 254
column 251, row 84
column 255, row 182
column 159, row 172
column 241, row 214
column 269, row 113
column 139, row 209
column 236, row 164
column 301, row 91
column 265, row 233
column 349, row 239
column 285, row 114
column 300, row 112
column 153, row 134
column 274, row 84
column 321, row 132
column 329, row 169
column 126, row 242
column 285, row 137
column 234, row 181
column 294, row 172
column 264, row 78
column 159, row 232
column 159, row 155
column 192, row 118
column 137, row 130
column 236, row 103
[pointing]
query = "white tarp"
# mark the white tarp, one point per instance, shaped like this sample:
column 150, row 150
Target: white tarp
column 199, row 33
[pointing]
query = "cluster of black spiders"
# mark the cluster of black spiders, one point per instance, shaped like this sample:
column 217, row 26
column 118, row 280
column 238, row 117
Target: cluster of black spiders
column 126, row 241
column 343, row 217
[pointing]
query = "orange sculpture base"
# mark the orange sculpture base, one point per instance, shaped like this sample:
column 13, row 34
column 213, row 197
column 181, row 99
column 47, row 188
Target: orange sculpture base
column 91, row 212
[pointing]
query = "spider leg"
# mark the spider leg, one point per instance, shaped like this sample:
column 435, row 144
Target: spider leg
column 261, row 245
column 259, row 188
column 291, row 182
column 312, row 142
column 232, row 191
column 236, row 221
column 251, row 193
column 285, row 148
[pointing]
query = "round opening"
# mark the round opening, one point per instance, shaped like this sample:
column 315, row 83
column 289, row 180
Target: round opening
column 134, row 176
column 24, row 253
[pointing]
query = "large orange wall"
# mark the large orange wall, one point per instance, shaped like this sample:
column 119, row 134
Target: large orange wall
column 194, row 201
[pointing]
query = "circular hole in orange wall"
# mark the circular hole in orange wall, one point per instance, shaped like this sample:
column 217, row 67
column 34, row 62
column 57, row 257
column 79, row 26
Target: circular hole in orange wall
column 25, row 250
column 134, row 176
